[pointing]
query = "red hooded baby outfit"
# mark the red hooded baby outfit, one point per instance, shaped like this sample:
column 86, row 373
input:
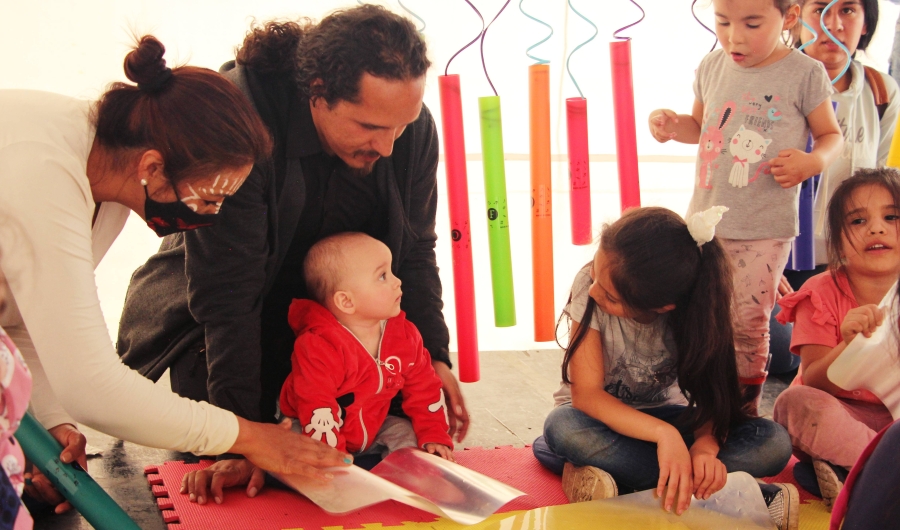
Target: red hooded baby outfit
column 341, row 395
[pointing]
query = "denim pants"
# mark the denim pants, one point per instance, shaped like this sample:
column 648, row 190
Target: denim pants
column 758, row 446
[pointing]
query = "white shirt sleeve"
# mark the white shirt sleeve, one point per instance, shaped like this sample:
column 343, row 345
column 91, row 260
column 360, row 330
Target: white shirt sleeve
column 889, row 119
column 45, row 253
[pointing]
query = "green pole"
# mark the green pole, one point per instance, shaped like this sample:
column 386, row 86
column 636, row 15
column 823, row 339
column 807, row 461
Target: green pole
column 497, row 213
column 78, row 487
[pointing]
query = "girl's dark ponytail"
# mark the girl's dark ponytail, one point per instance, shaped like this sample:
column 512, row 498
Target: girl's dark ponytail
column 702, row 327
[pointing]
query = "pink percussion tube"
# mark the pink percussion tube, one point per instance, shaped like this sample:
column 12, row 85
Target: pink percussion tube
column 460, row 233
column 541, row 204
column 579, row 170
column 626, row 138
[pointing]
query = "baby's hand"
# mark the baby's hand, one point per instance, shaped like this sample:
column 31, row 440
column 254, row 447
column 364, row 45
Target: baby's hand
column 793, row 166
column 863, row 320
column 441, row 450
column 660, row 124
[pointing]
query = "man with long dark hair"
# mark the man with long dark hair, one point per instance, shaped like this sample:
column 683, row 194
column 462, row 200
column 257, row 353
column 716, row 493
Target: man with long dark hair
column 355, row 150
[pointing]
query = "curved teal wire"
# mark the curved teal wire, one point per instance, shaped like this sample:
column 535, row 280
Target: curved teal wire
column 411, row 12
column 569, row 58
column 537, row 60
column 811, row 30
column 839, row 43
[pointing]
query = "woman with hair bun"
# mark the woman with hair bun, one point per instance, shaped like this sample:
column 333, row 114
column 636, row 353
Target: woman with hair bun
column 172, row 149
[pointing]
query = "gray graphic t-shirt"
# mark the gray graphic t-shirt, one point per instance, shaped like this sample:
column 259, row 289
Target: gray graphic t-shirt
column 749, row 116
column 639, row 358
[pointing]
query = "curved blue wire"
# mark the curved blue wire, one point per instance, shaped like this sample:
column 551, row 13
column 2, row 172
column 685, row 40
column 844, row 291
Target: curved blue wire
column 704, row 25
column 410, row 11
column 471, row 42
column 839, row 43
column 537, row 60
column 616, row 33
column 483, row 33
column 569, row 58
column 811, row 30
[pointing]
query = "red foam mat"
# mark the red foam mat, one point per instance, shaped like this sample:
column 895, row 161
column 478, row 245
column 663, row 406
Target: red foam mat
column 278, row 509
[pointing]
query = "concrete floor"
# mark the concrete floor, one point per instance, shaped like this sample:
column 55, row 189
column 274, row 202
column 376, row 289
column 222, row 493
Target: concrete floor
column 507, row 407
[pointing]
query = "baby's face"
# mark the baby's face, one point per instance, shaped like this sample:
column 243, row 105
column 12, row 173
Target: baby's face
column 376, row 291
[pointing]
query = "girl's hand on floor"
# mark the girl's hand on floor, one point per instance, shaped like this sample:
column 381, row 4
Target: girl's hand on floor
column 199, row 485
column 441, row 450
column 793, row 166
column 710, row 474
column 659, row 120
column 675, row 470
column 863, row 319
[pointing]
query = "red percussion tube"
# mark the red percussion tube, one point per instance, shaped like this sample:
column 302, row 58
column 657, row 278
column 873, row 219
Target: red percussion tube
column 579, row 170
column 460, row 233
column 626, row 138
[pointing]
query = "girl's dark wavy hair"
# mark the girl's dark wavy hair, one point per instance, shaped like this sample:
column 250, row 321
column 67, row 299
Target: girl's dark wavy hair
column 655, row 262
column 836, row 221
column 338, row 50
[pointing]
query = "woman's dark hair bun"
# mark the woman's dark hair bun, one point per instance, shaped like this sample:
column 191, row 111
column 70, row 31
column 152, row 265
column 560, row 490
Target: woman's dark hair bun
column 145, row 64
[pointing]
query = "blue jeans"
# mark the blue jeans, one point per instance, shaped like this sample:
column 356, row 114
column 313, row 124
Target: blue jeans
column 758, row 446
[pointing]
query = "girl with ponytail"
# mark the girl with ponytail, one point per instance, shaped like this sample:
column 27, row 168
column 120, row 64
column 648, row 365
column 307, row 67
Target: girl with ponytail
column 650, row 395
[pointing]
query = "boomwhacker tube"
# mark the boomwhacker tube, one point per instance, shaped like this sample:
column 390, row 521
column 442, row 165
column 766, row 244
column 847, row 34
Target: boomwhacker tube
column 626, row 137
column 541, row 204
column 460, row 232
column 497, row 213
column 78, row 487
column 579, row 170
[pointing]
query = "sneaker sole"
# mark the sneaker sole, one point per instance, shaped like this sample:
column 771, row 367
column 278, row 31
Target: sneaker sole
column 790, row 519
column 587, row 483
column 829, row 483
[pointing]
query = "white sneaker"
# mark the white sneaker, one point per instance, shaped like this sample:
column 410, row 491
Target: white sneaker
column 587, row 483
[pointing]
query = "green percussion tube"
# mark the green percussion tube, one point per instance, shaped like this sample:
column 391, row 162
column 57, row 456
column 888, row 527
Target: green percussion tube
column 72, row 482
column 497, row 213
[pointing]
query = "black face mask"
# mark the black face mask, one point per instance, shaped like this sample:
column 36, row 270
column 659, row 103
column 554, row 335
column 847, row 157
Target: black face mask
column 166, row 218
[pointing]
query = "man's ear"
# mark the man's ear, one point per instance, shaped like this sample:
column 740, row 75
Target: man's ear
column 343, row 302
column 664, row 309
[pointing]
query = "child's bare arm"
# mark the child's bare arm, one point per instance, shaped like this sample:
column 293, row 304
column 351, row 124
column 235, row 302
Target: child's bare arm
column 666, row 125
column 441, row 450
column 710, row 473
column 793, row 166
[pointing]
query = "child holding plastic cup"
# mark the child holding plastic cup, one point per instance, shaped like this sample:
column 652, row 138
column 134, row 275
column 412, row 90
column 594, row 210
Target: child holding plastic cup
column 828, row 424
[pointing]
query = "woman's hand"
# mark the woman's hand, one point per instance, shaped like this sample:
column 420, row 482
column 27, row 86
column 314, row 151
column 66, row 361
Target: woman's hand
column 276, row 448
column 675, row 470
column 457, row 414
column 39, row 487
column 863, row 319
column 223, row 474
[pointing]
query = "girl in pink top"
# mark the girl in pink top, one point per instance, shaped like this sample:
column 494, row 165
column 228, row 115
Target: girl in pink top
column 829, row 424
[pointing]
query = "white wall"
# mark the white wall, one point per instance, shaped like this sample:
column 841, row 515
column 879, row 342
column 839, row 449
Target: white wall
column 76, row 48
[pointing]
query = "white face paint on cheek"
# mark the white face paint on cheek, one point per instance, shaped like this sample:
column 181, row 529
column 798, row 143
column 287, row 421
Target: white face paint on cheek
column 194, row 197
